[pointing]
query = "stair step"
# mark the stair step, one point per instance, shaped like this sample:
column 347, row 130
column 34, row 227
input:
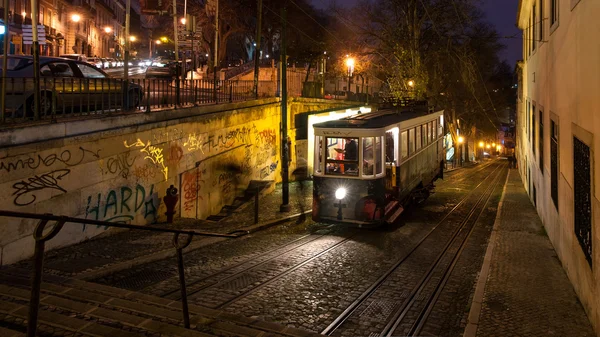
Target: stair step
column 390, row 206
column 392, row 218
column 5, row 332
column 216, row 218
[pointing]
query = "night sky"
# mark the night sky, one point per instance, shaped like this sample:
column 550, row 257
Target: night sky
column 501, row 13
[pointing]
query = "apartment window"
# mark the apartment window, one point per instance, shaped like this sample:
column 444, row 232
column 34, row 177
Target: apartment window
column 541, row 142
column 533, row 129
column 582, row 197
column 527, row 118
column 554, row 162
column 553, row 12
column 534, row 36
column 542, row 20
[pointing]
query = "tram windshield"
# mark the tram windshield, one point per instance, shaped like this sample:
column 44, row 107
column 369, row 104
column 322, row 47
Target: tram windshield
column 342, row 156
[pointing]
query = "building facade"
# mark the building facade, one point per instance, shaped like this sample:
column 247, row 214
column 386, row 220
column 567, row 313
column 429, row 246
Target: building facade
column 558, row 133
column 90, row 27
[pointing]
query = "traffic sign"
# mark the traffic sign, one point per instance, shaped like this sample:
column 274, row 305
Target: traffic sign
column 28, row 34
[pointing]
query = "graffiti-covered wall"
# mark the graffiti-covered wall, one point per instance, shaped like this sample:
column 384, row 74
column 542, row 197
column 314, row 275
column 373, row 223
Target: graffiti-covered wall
column 106, row 169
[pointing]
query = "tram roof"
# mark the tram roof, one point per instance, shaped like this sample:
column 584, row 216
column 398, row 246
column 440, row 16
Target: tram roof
column 374, row 120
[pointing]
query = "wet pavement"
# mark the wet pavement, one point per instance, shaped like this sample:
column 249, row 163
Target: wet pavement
column 302, row 274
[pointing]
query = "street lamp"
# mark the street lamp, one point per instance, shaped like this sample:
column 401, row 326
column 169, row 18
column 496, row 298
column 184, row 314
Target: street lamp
column 350, row 65
column 75, row 17
column 132, row 38
column 107, row 30
column 411, row 83
column 481, row 144
column 461, row 140
column 157, row 42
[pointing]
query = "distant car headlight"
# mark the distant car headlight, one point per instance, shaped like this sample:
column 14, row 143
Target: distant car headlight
column 340, row 193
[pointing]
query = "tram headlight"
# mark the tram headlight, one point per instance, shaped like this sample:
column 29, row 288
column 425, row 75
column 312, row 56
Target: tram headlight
column 340, row 193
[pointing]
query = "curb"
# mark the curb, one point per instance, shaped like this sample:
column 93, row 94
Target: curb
column 476, row 304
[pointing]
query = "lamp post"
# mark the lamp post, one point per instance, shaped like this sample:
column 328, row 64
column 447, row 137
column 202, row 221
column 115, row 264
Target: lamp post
column 108, row 31
column 350, row 65
column 461, row 140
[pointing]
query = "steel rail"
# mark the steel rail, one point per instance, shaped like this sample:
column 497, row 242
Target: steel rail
column 247, row 261
column 400, row 314
column 346, row 314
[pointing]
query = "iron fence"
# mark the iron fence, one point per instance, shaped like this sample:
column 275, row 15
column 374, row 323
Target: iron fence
column 71, row 97
column 42, row 234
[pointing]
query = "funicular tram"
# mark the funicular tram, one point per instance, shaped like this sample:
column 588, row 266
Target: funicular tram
column 368, row 167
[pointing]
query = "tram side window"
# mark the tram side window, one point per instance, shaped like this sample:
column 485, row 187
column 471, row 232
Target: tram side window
column 342, row 156
column 390, row 148
column 418, row 138
column 404, row 144
column 434, row 130
column 378, row 159
column 368, row 156
column 429, row 129
column 318, row 154
column 440, row 127
column 424, row 135
column 411, row 141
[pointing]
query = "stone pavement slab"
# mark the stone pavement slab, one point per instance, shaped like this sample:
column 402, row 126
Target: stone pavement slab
column 522, row 288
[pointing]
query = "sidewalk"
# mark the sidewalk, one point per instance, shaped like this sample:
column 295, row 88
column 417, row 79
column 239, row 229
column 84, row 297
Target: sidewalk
column 121, row 250
column 522, row 288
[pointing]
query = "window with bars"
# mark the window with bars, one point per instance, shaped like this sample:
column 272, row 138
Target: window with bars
column 533, row 129
column 582, row 197
column 534, row 18
column 541, row 20
column 553, row 12
column 554, row 163
column 541, row 142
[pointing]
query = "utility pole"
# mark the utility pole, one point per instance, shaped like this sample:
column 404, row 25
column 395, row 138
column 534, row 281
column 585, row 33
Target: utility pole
column 176, row 41
column 257, row 51
column 36, row 57
column 127, row 45
column 216, row 60
column 4, row 61
column 285, row 202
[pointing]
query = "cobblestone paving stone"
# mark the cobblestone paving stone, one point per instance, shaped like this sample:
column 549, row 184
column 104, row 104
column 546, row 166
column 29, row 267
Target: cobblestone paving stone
column 304, row 300
column 449, row 315
column 527, row 291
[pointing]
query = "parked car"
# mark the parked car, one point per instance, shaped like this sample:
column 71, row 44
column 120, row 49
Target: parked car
column 161, row 68
column 76, row 57
column 112, row 62
column 66, row 85
column 95, row 61
column 105, row 63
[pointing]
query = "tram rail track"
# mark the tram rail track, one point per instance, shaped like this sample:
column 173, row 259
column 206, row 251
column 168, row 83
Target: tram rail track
column 197, row 284
column 453, row 252
column 369, row 293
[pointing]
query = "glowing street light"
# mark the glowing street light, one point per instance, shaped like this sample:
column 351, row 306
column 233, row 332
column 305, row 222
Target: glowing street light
column 493, row 144
column 157, row 42
column 488, row 146
column 75, row 17
column 481, row 144
column 411, row 83
column 132, row 38
column 107, row 29
column 183, row 21
column 164, row 39
column 461, row 140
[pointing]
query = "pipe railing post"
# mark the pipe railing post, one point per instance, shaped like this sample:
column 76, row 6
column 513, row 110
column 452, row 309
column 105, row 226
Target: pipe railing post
column 38, row 271
column 184, row 303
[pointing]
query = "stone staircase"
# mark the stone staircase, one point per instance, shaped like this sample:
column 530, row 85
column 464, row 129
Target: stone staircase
column 255, row 186
column 70, row 307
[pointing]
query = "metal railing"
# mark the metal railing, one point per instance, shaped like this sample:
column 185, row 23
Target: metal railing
column 41, row 236
column 71, row 97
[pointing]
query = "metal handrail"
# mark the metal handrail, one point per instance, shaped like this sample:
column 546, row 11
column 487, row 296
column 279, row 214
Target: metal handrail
column 41, row 237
